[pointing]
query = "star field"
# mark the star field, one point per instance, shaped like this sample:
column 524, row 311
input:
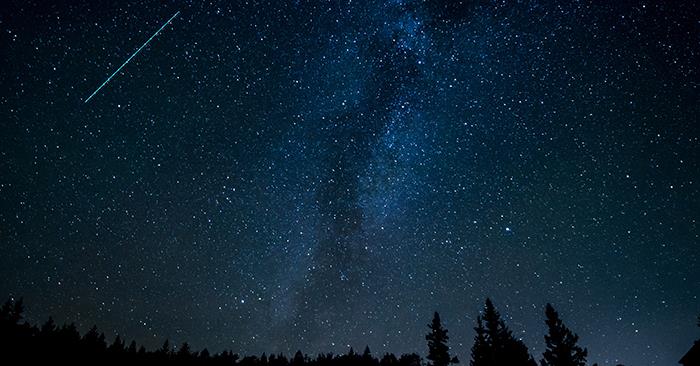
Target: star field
column 283, row 175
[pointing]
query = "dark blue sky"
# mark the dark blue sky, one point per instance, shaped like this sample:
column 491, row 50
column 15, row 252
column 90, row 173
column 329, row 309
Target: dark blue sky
column 269, row 176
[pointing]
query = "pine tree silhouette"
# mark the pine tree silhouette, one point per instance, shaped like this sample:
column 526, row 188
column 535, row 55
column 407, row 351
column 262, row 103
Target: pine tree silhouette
column 692, row 357
column 368, row 359
column 184, row 353
column 93, row 343
column 165, row 351
column 411, row 359
column 132, row 348
column 48, row 328
column 438, row 351
column 299, row 358
column 561, row 347
column 494, row 344
column 480, row 349
column 117, row 347
column 367, row 353
column 389, row 359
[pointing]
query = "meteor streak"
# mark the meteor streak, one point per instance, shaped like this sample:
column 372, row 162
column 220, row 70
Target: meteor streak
column 132, row 56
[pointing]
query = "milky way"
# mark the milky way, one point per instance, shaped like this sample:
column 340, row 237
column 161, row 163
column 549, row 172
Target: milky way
column 275, row 176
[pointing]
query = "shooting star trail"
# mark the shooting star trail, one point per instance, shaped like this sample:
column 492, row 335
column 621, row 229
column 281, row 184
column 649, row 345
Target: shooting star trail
column 132, row 56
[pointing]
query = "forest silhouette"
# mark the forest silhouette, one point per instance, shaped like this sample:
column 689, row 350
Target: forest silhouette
column 494, row 345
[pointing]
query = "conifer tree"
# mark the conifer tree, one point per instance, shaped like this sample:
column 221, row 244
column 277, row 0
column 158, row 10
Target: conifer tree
column 367, row 353
column 185, row 352
column 480, row 349
column 494, row 344
column 561, row 343
column 438, row 351
column 165, row 350
column 117, row 346
column 48, row 328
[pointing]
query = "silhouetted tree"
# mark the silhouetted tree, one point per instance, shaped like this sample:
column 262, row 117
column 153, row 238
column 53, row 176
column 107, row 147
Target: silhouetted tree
column 94, row 341
column 69, row 336
column 480, row 349
column 132, row 348
column 367, row 359
column 410, row 359
column 438, row 351
column 165, row 351
column 184, row 353
column 48, row 328
column 692, row 357
column 264, row 360
column 494, row 344
column 389, row 360
column 117, row 347
column 561, row 343
column 299, row 359
column 204, row 355
column 272, row 360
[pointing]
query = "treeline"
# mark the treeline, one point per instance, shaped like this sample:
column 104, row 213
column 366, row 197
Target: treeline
column 494, row 345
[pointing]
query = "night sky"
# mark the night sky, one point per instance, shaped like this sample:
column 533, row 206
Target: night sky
column 274, row 176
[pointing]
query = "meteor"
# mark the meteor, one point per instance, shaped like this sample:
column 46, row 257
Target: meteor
column 132, row 56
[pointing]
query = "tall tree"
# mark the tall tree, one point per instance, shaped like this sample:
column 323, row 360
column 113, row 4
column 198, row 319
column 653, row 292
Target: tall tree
column 494, row 344
column 48, row 328
column 204, row 355
column 480, row 349
column 411, row 359
column 389, row 359
column 368, row 359
column 117, row 346
column 185, row 352
column 298, row 359
column 561, row 344
column 438, row 351
column 165, row 351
